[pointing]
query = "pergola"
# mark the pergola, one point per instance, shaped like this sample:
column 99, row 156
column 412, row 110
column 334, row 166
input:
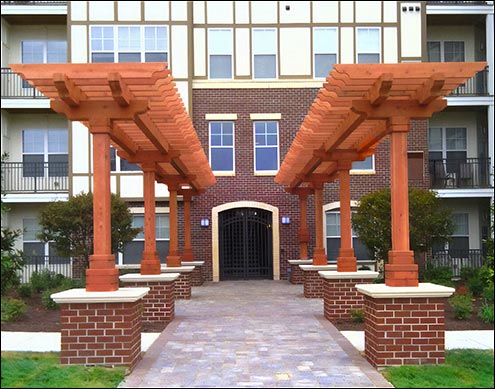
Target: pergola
column 355, row 110
column 136, row 108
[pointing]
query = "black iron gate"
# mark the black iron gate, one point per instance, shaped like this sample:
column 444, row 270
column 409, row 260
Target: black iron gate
column 245, row 243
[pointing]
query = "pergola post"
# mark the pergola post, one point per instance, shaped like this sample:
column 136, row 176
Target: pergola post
column 400, row 269
column 303, row 233
column 102, row 275
column 187, row 254
column 173, row 257
column 150, row 263
column 319, row 256
column 346, row 260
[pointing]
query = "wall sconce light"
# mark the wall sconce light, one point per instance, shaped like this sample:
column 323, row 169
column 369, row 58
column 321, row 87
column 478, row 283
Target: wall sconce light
column 205, row 222
column 285, row 219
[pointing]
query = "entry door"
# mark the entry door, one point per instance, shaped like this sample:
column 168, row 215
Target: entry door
column 245, row 244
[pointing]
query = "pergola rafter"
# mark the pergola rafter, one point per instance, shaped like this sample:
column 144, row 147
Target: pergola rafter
column 355, row 110
column 137, row 109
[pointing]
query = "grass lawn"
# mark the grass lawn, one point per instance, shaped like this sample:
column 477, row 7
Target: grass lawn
column 462, row 369
column 43, row 370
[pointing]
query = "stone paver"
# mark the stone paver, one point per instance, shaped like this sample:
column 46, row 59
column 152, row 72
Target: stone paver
column 252, row 334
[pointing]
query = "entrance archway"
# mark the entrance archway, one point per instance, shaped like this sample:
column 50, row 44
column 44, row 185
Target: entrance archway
column 248, row 232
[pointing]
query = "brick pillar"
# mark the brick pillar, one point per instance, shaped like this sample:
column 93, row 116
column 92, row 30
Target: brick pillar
column 405, row 327
column 96, row 332
column 197, row 278
column 340, row 295
column 183, row 284
column 159, row 303
column 313, row 283
column 296, row 273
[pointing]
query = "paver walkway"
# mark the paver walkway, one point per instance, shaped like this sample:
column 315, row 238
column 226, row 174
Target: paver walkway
column 252, row 334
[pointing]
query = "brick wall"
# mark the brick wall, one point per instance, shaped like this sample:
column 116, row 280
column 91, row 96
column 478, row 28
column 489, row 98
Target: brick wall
column 183, row 286
column 106, row 334
column 159, row 303
column 293, row 104
column 404, row 331
column 313, row 284
column 196, row 276
column 340, row 296
column 296, row 275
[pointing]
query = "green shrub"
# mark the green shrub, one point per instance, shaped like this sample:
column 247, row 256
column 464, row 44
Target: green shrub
column 45, row 280
column 488, row 294
column 476, row 286
column 12, row 308
column 357, row 315
column 486, row 313
column 47, row 301
column 25, row 290
column 462, row 304
column 441, row 275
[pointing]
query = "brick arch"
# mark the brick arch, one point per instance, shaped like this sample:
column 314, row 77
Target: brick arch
column 244, row 204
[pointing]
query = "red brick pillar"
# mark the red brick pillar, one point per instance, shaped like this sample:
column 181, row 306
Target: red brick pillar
column 296, row 273
column 313, row 283
column 183, row 284
column 100, row 328
column 197, row 278
column 340, row 295
column 404, row 326
column 159, row 303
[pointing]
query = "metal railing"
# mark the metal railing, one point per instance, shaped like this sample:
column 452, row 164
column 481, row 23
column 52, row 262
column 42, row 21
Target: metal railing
column 38, row 263
column 468, row 173
column 27, row 177
column 458, row 260
column 14, row 87
column 475, row 86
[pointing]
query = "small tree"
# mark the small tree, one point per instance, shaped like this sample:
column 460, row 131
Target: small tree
column 430, row 222
column 12, row 259
column 69, row 225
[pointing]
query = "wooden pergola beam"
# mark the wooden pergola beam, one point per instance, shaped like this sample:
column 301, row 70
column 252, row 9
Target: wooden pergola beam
column 380, row 90
column 68, row 92
column 120, row 92
column 430, row 89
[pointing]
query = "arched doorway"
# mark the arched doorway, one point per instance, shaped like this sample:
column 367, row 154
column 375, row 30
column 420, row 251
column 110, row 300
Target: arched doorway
column 245, row 244
column 225, row 216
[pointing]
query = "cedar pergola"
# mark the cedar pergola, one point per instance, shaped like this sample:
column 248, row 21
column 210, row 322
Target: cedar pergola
column 355, row 110
column 136, row 108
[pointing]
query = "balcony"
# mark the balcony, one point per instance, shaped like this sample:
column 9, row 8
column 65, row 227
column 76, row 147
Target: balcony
column 468, row 173
column 34, row 177
column 457, row 260
column 14, row 87
column 475, row 86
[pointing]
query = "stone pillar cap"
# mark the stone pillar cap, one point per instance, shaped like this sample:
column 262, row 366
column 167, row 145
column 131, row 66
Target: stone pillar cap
column 178, row 269
column 80, row 295
column 335, row 275
column 422, row 290
column 193, row 263
column 135, row 277
column 318, row 267
column 300, row 261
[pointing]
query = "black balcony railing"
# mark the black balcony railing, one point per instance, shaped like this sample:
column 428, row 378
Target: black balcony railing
column 457, row 260
column 39, row 263
column 26, row 177
column 14, row 87
column 460, row 173
column 475, row 86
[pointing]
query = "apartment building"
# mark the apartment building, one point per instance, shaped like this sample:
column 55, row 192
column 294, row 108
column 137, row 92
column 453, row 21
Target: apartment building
column 247, row 73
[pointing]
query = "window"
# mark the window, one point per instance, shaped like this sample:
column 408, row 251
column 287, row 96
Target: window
column 368, row 45
column 265, row 53
column 36, row 251
column 448, row 144
column 325, row 50
column 367, row 165
column 133, row 251
column 222, row 146
column 333, row 238
column 45, row 153
column 445, row 51
column 460, row 237
column 220, row 49
column 266, row 155
column 118, row 164
column 129, row 44
column 43, row 51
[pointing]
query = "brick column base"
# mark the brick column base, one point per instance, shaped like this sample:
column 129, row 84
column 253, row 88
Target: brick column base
column 404, row 331
column 340, row 296
column 313, row 284
column 159, row 303
column 107, row 334
column 183, row 286
column 296, row 275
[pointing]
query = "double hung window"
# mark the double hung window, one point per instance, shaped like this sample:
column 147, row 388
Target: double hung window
column 222, row 147
column 368, row 45
column 220, row 49
column 264, row 53
column 266, row 147
column 325, row 50
column 445, row 51
column 333, row 238
column 45, row 153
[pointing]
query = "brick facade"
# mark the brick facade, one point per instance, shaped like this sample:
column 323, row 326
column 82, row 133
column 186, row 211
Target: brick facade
column 107, row 334
column 293, row 105
column 404, row 331
column 196, row 276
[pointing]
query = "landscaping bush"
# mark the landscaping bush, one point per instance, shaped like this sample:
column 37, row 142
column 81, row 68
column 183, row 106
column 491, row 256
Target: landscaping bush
column 12, row 308
column 45, row 280
column 462, row 304
column 488, row 294
column 486, row 313
column 25, row 290
column 47, row 301
column 357, row 315
column 441, row 275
